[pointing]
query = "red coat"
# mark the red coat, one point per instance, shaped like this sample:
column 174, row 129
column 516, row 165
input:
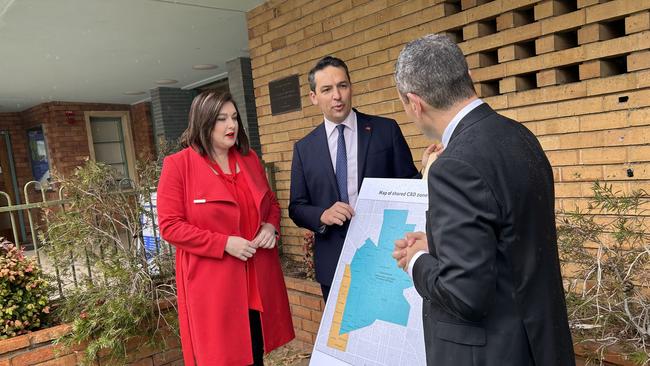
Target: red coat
column 196, row 214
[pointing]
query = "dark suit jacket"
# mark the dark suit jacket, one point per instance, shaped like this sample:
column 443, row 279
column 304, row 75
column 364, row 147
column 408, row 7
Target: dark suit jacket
column 382, row 153
column 491, row 284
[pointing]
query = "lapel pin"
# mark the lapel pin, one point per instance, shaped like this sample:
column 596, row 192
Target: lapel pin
column 368, row 128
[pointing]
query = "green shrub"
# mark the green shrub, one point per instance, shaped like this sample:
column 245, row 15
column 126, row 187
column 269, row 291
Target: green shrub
column 120, row 292
column 605, row 250
column 23, row 292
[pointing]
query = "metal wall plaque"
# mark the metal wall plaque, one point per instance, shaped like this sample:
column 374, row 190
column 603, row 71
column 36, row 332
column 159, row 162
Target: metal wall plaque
column 285, row 95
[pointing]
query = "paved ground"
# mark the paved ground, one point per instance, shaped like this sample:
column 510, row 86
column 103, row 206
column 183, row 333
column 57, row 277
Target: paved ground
column 288, row 355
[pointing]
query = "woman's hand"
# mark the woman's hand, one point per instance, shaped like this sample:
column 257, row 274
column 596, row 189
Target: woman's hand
column 266, row 237
column 240, row 248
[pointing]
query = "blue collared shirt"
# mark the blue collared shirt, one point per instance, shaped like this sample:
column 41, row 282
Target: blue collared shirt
column 449, row 130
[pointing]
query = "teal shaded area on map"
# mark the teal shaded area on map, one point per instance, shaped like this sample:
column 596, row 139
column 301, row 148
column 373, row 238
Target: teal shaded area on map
column 376, row 283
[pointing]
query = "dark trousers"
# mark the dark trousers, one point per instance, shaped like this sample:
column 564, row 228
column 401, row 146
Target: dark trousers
column 256, row 337
column 326, row 291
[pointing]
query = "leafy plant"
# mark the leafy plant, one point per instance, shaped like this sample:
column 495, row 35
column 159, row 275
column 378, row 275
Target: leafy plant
column 308, row 255
column 605, row 251
column 24, row 303
column 116, row 288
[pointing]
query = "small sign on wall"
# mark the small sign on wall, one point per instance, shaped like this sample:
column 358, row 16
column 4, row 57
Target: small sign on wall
column 38, row 156
column 285, row 95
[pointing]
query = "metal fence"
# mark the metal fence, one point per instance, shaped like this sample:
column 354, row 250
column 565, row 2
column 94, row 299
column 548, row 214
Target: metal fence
column 25, row 227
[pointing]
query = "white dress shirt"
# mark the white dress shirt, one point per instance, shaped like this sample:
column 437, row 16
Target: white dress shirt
column 446, row 136
column 350, row 133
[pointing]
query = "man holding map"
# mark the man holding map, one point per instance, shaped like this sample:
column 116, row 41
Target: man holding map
column 487, row 267
column 330, row 163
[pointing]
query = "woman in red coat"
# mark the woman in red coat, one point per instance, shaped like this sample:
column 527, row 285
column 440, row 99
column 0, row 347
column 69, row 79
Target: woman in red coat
column 216, row 207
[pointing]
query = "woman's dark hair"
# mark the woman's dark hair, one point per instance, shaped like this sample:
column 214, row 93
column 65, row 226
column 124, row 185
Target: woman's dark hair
column 203, row 115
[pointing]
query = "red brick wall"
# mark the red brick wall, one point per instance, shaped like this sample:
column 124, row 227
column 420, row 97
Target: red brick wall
column 12, row 122
column 66, row 136
column 142, row 129
column 306, row 301
column 37, row 349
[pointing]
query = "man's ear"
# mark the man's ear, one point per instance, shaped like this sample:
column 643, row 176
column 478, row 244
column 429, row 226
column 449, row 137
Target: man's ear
column 312, row 97
column 415, row 103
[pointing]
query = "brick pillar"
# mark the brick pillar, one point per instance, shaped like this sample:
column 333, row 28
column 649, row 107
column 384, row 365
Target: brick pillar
column 240, row 80
column 170, row 108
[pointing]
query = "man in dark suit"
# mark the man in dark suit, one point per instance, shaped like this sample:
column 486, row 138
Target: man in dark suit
column 487, row 267
column 329, row 164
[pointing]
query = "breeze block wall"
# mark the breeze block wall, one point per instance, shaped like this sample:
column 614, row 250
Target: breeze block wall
column 575, row 72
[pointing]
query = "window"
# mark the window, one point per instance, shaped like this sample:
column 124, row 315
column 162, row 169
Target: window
column 109, row 140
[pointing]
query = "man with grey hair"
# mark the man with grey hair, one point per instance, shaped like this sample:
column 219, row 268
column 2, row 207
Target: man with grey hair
column 487, row 267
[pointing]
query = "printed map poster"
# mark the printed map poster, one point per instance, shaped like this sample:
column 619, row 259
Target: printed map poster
column 374, row 313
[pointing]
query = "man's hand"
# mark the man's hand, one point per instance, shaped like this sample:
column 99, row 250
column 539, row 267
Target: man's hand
column 406, row 248
column 433, row 149
column 265, row 237
column 338, row 214
column 240, row 248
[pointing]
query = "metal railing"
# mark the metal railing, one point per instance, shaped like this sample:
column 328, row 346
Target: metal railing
column 68, row 277
column 32, row 245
